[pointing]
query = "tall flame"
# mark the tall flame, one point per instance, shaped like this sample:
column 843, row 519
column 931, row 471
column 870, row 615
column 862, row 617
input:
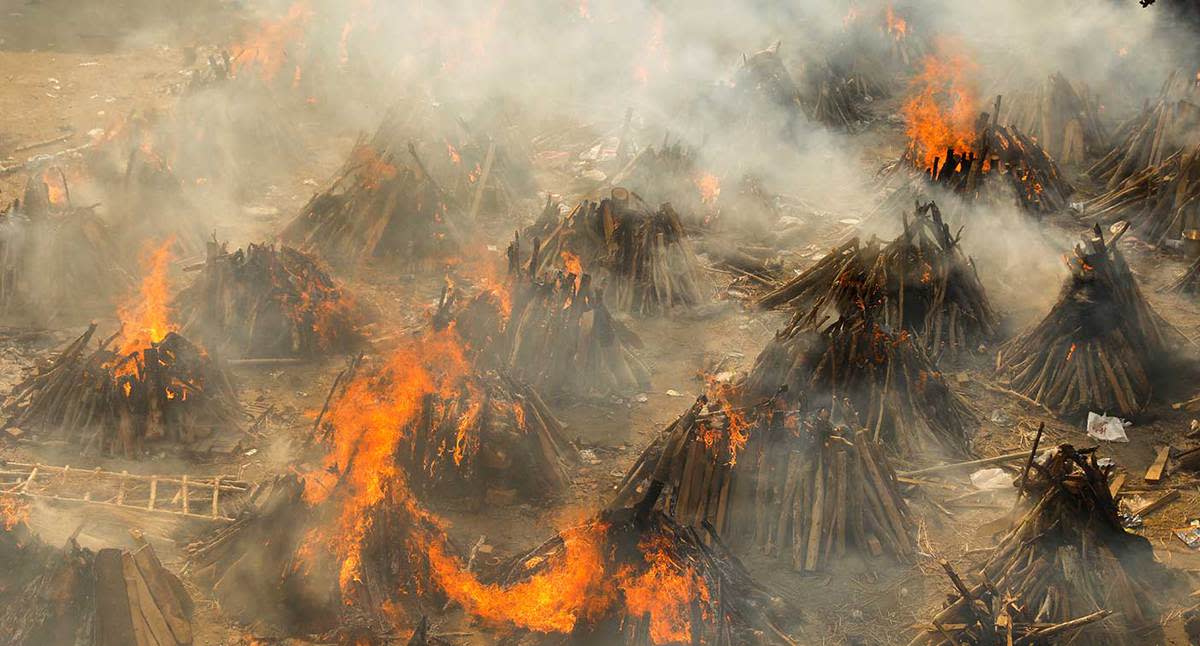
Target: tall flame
column 266, row 49
column 941, row 109
column 896, row 26
column 146, row 315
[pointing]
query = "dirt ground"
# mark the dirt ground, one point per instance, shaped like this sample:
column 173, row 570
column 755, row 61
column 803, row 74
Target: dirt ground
column 61, row 79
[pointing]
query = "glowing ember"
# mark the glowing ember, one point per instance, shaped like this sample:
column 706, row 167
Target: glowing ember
column 373, row 170
column 146, row 315
column 13, row 512
column 941, row 110
column 56, row 187
column 572, row 265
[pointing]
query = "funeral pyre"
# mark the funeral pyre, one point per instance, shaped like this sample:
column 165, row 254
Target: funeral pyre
column 143, row 384
column 1062, row 117
column 1064, row 565
column 268, row 301
column 954, row 147
column 796, row 487
column 1100, row 347
column 641, row 257
column 345, row 550
column 921, row 282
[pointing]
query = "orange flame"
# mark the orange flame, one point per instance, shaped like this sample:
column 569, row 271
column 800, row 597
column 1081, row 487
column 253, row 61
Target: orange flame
column 56, row 189
column 652, row 53
column 13, row 511
column 896, row 26
column 572, row 265
column 941, row 110
column 1071, row 352
column 710, row 188
column 146, row 315
column 373, row 170
column 665, row 591
column 266, row 49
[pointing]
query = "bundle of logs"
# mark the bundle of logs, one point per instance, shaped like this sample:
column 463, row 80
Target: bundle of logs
column 921, row 282
column 802, row 493
column 660, row 583
column 264, row 301
column 1100, row 346
column 1161, row 201
column 643, row 256
column 908, row 404
column 1066, row 563
column 765, row 94
column 1001, row 161
column 378, row 207
column 834, row 98
column 669, row 173
column 115, row 403
column 1063, row 118
column 1160, row 130
column 56, row 257
column 73, row 595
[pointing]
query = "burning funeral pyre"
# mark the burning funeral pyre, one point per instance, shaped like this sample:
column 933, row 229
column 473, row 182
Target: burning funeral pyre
column 56, row 257
column 73, row 595
column 144, row 383
column 264, row 301
column 1063, row 118
column 1101, row 345
column 969, row 153
column 861, row 360
column 921, row 282
column 378, row 207
column 804, row 492
column 642, row 257
column 670, row 173
column 1066, row 564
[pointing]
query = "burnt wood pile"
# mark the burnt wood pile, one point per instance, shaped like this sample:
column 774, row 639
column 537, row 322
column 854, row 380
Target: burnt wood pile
column 1067, row 562
column 642, row 257
column 767, row 96
column 1162, row 201
column 670, row 173
column 109, row 402
column 1100, row 347
column 884, row 373
column 268, row 301
column 55, row 257
column 802, row 490
column 1148, row 139
column 1002, row 162
column 72, row 595
column 921, row 282
column 384, row 204
column 1063, row 118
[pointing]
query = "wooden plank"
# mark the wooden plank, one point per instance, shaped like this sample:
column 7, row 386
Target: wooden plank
column 163, row 593
column 1114, row 485
column 183, row 491
column 142, row 630
column 1157, row 468
column 1157, row 503
column 114, row 626
column 216, row 495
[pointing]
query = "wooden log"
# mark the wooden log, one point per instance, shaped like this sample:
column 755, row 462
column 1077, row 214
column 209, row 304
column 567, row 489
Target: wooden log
column 114, row 622
column 1158, row 467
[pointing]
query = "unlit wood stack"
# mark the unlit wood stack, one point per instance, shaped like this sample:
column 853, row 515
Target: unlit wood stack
column 642, row 257
column 833, row 98
column 1063, row 118
column 1189, row 281
column 264, row 301
column 1100, row 347
column 109, row 403
column 921, row 281
column 1162, row 202
column 1160, row 130
column 882, row 373
column 383, row 204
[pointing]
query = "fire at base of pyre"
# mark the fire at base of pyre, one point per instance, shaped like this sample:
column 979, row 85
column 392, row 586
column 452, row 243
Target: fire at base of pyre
column 922, row 282
column 908, row 404
column 264, row 301
column 57, row 258
column 801, row 490
column 120, row 399
column 72, row 595
column 642, row 258
column 1064, row 565
column 968, row 153
column 1101, row 347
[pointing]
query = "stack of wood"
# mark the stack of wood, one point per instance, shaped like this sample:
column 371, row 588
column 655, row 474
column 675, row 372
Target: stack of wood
column 834, row 98
column 113, row 403
column 1063, row 118
column 1101, row 345
column 643, row 256
column 671, row 174
column 803, row 493
column 264, row 301
column 1002, row 161
column 1068, row 561
column 378, row 207
column 1160, row 130
column 885, row 372
column 765, row 91
column 978, row 615
column 921, row 282
column 1161, row 201
column 251, row 564
column 661, row 582
column 57, row 258
column 107, row 598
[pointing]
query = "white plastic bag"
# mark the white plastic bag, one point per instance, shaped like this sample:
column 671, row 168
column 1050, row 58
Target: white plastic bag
column 1108, row 429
